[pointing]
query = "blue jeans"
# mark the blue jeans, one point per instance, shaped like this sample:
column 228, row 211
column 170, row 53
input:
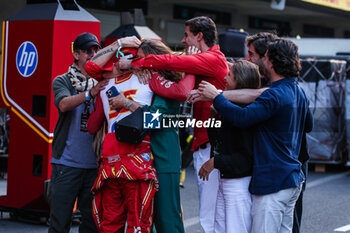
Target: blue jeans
column 273, row 213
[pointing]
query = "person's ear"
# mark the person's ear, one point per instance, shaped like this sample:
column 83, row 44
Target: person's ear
column 270, row 64
column 76, row 55
column 199, row 36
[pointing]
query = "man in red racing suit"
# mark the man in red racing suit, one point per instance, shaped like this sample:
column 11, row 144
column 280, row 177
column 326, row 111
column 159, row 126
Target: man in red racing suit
column 126, row 169
column 126, row 182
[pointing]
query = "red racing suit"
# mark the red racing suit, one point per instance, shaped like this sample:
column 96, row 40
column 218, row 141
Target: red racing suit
column 127, row 181
column 124, row 166
column 125, row 187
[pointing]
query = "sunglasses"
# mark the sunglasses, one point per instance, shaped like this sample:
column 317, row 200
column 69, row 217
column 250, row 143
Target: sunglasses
column 90, row 50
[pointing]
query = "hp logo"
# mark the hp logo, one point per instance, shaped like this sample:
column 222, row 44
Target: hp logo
column 26, row 59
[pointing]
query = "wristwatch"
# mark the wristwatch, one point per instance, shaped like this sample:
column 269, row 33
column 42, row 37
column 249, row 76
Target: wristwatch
column 220, row 91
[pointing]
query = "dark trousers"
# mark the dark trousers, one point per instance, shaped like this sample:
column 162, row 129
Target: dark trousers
column 298, row 210
column 167, row 207
column 67, row 184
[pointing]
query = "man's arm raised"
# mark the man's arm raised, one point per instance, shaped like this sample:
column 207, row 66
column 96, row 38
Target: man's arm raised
column 209, row 64
column 105, row 54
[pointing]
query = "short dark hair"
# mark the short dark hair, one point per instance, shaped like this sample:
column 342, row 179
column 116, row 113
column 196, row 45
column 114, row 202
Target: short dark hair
column 206, row 26
column 260, row 41
column 284, row 57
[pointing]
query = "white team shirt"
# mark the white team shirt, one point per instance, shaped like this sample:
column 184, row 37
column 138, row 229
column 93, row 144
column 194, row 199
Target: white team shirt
column 132, row 89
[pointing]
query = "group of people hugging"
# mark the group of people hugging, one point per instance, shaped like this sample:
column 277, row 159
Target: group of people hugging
column 248, row 172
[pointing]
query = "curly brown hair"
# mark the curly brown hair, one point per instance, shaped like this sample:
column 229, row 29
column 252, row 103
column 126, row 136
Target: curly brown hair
column 284, row 57
column 158, row 48
column 260, row 41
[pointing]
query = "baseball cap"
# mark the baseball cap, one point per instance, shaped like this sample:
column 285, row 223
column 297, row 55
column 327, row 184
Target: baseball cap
column 85, row 41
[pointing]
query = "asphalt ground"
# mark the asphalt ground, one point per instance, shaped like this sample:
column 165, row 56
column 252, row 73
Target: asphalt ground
column 326, row 205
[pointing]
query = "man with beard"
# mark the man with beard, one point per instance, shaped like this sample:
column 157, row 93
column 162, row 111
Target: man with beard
column 257, row 46
column 280, row 116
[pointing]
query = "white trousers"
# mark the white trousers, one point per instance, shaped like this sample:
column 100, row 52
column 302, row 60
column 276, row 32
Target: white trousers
column 207, row 190
column 274, row 212
column 233, row 206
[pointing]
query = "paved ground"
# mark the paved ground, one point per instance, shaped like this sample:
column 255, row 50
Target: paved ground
column 189, row 197
column 326, row 205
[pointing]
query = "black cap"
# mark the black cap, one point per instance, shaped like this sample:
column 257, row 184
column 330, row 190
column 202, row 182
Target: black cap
column 85, row 41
